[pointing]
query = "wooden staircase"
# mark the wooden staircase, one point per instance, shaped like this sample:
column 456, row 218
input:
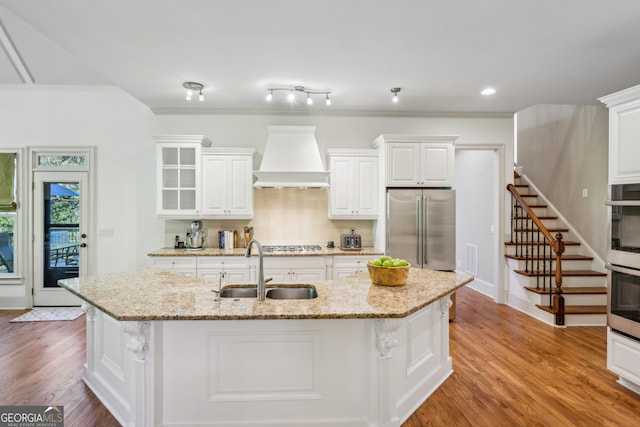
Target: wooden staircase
column 583, row 289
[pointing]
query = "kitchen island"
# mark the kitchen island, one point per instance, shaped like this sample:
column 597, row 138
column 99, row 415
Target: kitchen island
column 163, row 351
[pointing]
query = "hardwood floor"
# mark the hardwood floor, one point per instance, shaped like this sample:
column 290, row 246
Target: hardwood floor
column 41, row 364
column 509, row 370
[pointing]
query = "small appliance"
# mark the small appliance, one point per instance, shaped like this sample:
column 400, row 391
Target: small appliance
column 351, row 241
column 196, row 240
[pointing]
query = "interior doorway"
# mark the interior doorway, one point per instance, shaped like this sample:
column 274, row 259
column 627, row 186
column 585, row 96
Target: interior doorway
column 479, row 221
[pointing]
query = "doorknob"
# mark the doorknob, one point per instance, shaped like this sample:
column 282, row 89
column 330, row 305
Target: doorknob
column 83, row 245
column 83, row 235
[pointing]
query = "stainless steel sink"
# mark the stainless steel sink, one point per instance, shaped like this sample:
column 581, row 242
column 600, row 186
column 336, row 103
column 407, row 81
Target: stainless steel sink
column 240, row 292
column 293, row 292
column 306, row 292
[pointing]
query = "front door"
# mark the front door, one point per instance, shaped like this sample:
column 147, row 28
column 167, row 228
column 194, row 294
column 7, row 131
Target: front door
column 60, row 234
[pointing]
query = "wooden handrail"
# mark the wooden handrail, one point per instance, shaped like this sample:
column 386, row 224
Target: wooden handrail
column 557, row 245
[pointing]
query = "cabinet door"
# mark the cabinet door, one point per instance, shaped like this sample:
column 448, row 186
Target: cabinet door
column 304, row 275
column 403, row 164
column 365, row 194
column 624, row 149
column 436, row 165
column 279, row 275
column 346, row 265
column 214, row 183
column 178, row 177
column 227, row 187
column 184, row 265
column 342, row 186
column 240, row 185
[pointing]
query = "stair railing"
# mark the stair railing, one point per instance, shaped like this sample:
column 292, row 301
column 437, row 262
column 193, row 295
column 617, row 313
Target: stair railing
column 526, row 231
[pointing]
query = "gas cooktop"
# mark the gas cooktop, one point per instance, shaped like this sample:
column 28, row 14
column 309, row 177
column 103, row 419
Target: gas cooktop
column 291, row 249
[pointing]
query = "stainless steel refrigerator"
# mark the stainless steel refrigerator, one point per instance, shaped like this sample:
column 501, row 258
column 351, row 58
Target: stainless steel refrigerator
column 421, row 227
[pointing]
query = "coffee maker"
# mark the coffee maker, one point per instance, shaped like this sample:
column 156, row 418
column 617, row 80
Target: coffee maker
column 196, row 240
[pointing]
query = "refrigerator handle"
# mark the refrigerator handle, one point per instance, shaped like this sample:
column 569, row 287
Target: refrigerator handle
column 425, row 224
column 418, row 229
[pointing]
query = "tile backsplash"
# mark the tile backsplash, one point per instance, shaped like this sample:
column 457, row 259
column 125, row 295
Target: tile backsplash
column 282, row 216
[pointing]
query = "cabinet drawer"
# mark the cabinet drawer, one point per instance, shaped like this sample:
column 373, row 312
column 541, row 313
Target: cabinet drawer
column 352, row 260
column 295, row 262
column 623, row 357
column 223, row 261
column 174, row 262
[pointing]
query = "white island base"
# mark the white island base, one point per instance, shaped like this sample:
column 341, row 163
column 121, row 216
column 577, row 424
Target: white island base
column 315, row 372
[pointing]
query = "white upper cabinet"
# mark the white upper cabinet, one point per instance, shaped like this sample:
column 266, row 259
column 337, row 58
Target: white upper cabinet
column 353, row 191
column 624, row 134
column 418, row 161
column 179, row 170
column 227, row 183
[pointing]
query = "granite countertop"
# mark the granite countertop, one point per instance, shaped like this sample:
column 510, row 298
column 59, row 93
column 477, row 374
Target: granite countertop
column 240, row 252
column 156, row 294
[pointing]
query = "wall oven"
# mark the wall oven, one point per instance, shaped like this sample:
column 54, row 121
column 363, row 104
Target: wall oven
column 624, row 225
column 623, row 300
column 623, row 296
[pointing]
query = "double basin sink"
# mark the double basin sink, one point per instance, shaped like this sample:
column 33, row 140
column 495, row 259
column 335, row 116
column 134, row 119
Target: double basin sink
column 285, row 292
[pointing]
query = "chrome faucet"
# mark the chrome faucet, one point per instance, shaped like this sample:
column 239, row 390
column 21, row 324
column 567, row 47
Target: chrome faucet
column 260, row 290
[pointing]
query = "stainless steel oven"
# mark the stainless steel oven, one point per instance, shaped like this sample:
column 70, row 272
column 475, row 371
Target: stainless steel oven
column 624, row 225
column 623, row 300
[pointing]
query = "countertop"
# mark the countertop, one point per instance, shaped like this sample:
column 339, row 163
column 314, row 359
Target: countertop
column 156, row 294
column 240, row 252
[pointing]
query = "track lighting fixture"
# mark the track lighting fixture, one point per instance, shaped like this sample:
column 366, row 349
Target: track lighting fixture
column 294, row 89
column 192, row 87
column 395, row 91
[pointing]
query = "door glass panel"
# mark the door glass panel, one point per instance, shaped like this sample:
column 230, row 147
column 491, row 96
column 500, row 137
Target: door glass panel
column 61, row 221
column 59, row 160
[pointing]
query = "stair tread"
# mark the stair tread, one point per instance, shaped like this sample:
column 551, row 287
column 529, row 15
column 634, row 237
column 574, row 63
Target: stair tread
column 577, row 309
column 567, row 243
column 564, row 257
column 572, row 273
column 535, row 206
column 528, row 230
column 576, row 290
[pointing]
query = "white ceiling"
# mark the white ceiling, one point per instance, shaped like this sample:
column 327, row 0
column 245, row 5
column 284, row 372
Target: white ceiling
column 442, row 53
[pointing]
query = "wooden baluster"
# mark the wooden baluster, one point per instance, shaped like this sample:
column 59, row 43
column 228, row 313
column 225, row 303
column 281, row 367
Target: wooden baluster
column 558, row 298
column 538, row 259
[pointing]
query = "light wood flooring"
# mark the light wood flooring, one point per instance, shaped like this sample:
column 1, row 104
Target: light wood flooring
column 509, row 370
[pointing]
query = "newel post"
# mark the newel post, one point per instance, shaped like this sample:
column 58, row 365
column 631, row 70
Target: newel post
column 558, row 298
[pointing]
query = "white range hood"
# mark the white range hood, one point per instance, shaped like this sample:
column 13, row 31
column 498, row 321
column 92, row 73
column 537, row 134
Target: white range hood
column 291, row 159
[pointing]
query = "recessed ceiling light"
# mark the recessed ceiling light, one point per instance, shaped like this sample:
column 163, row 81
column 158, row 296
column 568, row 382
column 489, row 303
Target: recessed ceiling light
column 488, row 91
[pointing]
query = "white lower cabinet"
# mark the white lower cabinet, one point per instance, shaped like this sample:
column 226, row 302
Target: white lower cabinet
column 180, row 264
column 295, row 269
column 623, row 358
column 346, row 265
column 232, row 269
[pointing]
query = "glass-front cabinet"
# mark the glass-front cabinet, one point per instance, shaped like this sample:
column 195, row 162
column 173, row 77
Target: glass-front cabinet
column 179, row 174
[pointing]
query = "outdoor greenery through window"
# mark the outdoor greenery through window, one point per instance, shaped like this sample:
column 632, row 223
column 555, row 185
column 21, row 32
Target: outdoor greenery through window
column 61, row 160
column 8, row 209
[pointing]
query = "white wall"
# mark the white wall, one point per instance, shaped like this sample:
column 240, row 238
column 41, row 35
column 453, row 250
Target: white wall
column 121, row 129
column 564, row 149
